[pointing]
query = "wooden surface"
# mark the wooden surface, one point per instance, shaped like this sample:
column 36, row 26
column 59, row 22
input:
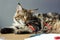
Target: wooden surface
column 14, row 36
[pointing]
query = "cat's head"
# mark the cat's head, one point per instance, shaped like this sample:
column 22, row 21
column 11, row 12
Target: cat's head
column 23, row 13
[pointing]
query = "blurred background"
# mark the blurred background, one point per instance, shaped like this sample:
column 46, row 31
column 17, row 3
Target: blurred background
column 8, row 8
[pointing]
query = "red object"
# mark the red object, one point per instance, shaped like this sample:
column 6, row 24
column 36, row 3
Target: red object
column 57, row 38
column 30, row 26
column 46, row 24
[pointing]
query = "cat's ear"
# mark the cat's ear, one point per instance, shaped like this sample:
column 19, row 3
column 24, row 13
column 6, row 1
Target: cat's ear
column 19, row 7
column 33, row 10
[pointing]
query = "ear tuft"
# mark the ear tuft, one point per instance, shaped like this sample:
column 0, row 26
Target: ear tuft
column 36, row 9
column 19, row 4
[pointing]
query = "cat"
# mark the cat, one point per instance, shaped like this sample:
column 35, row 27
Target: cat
column 23, row 16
